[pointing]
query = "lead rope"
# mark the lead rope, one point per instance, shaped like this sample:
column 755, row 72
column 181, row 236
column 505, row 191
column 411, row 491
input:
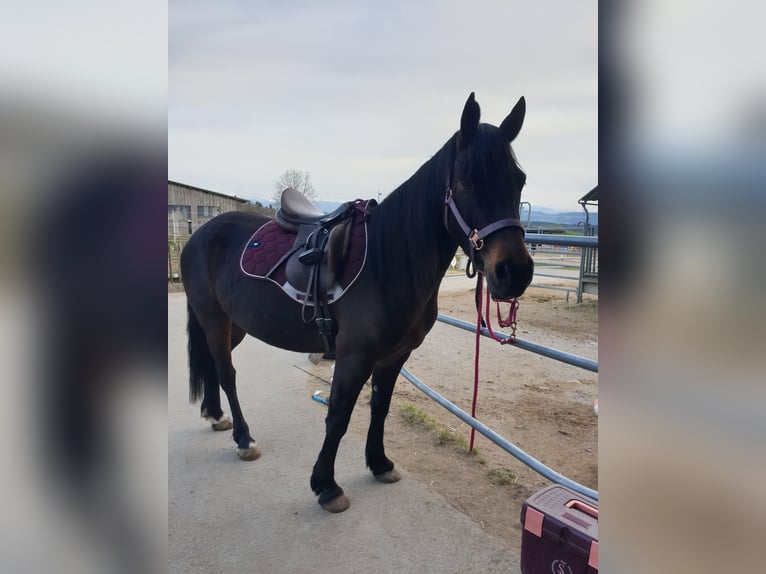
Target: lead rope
column 509, row 321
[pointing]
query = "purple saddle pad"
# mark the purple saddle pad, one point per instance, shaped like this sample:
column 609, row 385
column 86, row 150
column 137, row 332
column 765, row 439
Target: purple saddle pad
column 270, row 243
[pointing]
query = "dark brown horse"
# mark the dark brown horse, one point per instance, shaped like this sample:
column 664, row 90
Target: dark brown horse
column 466, row 195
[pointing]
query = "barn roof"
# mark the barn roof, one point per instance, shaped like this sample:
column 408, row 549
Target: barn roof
column 590, row 197
column 186, row 185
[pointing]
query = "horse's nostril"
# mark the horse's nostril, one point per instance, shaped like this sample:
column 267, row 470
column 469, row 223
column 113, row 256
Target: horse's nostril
column 503, row 272
column 513, row 277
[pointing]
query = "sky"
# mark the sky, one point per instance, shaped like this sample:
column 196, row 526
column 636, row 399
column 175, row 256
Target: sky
column 360, row 94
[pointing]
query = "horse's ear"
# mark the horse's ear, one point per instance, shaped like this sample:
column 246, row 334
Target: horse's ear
column 511, row 125
column 469, row 122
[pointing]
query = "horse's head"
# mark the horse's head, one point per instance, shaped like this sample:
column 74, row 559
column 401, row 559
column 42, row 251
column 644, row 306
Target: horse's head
column 483, row 200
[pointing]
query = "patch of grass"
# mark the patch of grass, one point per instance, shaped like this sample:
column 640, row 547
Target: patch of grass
column 446, row 436
column 414, row 416
column 502, row 476
column 462, row 443
column 587, row 306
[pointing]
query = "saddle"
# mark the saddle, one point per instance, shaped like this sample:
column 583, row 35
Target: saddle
column 296, row 210
column 321, row 242
column 321, row 246
column 314, row 257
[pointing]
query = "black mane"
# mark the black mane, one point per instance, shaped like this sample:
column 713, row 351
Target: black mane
column 494, row 168
column 413, row 214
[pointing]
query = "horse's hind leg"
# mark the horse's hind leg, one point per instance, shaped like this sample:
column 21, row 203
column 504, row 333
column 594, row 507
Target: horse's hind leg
column 221, row 337
column 203, row 377
column 383, row 381
column 211, row 403
column 348, row 379
column 210, row 409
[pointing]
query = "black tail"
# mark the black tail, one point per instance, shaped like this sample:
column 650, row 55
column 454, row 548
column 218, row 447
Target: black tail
column 201, row 363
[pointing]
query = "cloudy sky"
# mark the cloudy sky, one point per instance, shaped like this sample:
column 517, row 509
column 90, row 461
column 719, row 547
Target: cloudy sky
column 360, row 94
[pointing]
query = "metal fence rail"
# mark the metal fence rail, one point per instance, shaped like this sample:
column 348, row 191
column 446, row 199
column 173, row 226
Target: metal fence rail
column 536, row 348
column 565, row 240
column 588, row 258
column 574, row 360
column 507, row 446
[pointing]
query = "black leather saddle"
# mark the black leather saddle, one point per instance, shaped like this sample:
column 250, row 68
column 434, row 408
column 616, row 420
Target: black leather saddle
column 321, row 246
column 296, row 210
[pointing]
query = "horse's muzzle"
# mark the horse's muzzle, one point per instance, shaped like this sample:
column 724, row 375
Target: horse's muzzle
column 510, row 279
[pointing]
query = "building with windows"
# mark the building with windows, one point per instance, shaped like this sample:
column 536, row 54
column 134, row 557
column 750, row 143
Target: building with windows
column 189, row 207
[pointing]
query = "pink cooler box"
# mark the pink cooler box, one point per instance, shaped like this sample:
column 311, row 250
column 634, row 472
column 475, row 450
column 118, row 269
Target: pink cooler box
column 560, row 533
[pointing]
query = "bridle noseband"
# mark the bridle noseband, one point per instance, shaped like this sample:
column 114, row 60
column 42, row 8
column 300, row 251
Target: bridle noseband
column 475, row 236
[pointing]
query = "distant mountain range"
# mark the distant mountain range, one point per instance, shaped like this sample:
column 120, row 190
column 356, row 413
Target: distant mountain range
column 540, row 215
column 326, row 206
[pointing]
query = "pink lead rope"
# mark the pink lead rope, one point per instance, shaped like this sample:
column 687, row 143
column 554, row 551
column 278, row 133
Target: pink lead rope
column 509, row 321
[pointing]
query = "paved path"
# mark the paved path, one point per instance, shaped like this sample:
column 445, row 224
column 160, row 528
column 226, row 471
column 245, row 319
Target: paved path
column 227, row 516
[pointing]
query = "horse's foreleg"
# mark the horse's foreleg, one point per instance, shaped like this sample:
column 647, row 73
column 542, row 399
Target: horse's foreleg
column 348, row 379
column 383, row 381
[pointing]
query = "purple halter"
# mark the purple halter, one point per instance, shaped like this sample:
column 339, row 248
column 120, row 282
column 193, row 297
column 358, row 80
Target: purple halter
column 475, row 236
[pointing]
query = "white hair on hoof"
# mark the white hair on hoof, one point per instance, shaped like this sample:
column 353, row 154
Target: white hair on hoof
column 389, row 477
column 222, row 424
column 249, row 453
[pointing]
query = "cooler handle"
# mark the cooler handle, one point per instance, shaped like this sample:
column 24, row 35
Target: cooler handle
column 582, row 507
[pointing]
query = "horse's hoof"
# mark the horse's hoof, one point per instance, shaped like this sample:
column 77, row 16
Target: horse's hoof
column 315, row 358
column 224, row 423
column 337, row 504
column 249, row 453
column 389, row 477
